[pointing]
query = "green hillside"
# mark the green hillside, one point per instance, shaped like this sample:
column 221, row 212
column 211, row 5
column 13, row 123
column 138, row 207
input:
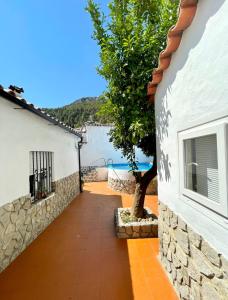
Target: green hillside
column 79, row 112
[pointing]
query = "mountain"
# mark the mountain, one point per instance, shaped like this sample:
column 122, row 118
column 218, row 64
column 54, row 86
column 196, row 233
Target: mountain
column 78, row 112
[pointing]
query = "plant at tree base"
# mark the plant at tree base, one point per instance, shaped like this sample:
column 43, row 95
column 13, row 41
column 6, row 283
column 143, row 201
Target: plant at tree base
column 130, row 40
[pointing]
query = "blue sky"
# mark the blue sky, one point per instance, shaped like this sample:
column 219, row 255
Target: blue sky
column 46, row 48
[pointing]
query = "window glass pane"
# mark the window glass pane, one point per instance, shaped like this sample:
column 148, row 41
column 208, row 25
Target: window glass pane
column 201, row 166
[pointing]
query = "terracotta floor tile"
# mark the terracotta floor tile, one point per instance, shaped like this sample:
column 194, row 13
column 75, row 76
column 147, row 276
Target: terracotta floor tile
column 85, row 291
column 78, row 257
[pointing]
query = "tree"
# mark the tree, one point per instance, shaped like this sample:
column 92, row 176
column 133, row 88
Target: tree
column 80, row 111
column 130, row 40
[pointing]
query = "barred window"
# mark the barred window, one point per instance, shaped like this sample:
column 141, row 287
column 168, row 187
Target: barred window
column 41, row 174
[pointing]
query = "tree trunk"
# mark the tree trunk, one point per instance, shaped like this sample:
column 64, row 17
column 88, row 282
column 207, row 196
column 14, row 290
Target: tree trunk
column 140, row 190
column 139, row 197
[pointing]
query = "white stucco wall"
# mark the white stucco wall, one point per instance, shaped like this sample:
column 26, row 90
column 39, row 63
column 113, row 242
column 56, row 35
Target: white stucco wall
column 21, row 132
column 194, row 91
column 99, row 148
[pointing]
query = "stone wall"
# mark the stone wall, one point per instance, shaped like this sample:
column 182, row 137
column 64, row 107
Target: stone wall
column 21, row 221
column 135, row 230
column 123, row 186
column 196, row 270
column 153, row 187
column 89, row 174
column 128, row 186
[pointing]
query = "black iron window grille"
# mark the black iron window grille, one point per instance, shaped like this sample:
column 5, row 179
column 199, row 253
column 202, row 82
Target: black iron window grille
column 41, row 174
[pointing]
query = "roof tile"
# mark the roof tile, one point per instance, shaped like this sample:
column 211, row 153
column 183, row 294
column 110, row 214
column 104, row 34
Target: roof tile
column 187, row 11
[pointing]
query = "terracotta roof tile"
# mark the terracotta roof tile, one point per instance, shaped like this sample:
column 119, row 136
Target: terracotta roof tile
column 187, row 10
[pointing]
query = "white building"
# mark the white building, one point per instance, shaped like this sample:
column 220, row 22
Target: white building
column 39, row 172
column 191, row 104
column 97, row 152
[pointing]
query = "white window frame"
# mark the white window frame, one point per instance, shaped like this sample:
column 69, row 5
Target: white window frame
column 221, row 132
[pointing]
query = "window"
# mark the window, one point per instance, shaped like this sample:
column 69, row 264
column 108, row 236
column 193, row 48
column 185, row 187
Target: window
column 203, row 166
column 41, row 174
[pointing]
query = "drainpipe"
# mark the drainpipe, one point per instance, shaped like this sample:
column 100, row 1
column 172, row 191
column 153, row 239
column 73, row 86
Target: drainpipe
column 79, row 163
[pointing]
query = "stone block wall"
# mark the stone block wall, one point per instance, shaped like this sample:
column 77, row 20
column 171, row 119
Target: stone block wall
column 89, row 174
column 196, row 270
column 21, row 221
column 153, row 187
column 128, row 186
column 123, row 186
column 135, row 230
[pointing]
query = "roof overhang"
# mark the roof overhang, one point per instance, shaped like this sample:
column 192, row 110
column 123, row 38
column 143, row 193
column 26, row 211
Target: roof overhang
column 11, row 96
column 187, row 11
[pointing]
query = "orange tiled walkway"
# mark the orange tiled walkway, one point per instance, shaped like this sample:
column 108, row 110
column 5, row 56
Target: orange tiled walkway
column 79, row 258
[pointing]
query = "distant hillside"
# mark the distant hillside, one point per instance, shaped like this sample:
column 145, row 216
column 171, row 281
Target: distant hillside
column 79, row 112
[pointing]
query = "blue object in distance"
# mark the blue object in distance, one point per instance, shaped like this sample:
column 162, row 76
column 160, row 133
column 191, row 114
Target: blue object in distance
column 142, row 167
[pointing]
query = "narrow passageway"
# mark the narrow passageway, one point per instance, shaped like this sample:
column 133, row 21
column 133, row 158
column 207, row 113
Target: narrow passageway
column 78, row 257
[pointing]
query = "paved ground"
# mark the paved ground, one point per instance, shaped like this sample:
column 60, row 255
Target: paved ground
column 78, row 257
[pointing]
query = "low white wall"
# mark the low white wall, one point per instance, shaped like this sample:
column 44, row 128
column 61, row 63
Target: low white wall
column 102, row 173
column 99, row 148
column 194, row 91
column 21, row 132
column 120, row 174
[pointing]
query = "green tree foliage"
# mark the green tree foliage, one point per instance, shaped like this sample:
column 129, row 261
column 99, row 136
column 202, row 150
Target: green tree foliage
column 130, row 38
column 81, row 111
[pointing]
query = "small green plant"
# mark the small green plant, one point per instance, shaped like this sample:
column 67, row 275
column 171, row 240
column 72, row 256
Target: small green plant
column 41, row 189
